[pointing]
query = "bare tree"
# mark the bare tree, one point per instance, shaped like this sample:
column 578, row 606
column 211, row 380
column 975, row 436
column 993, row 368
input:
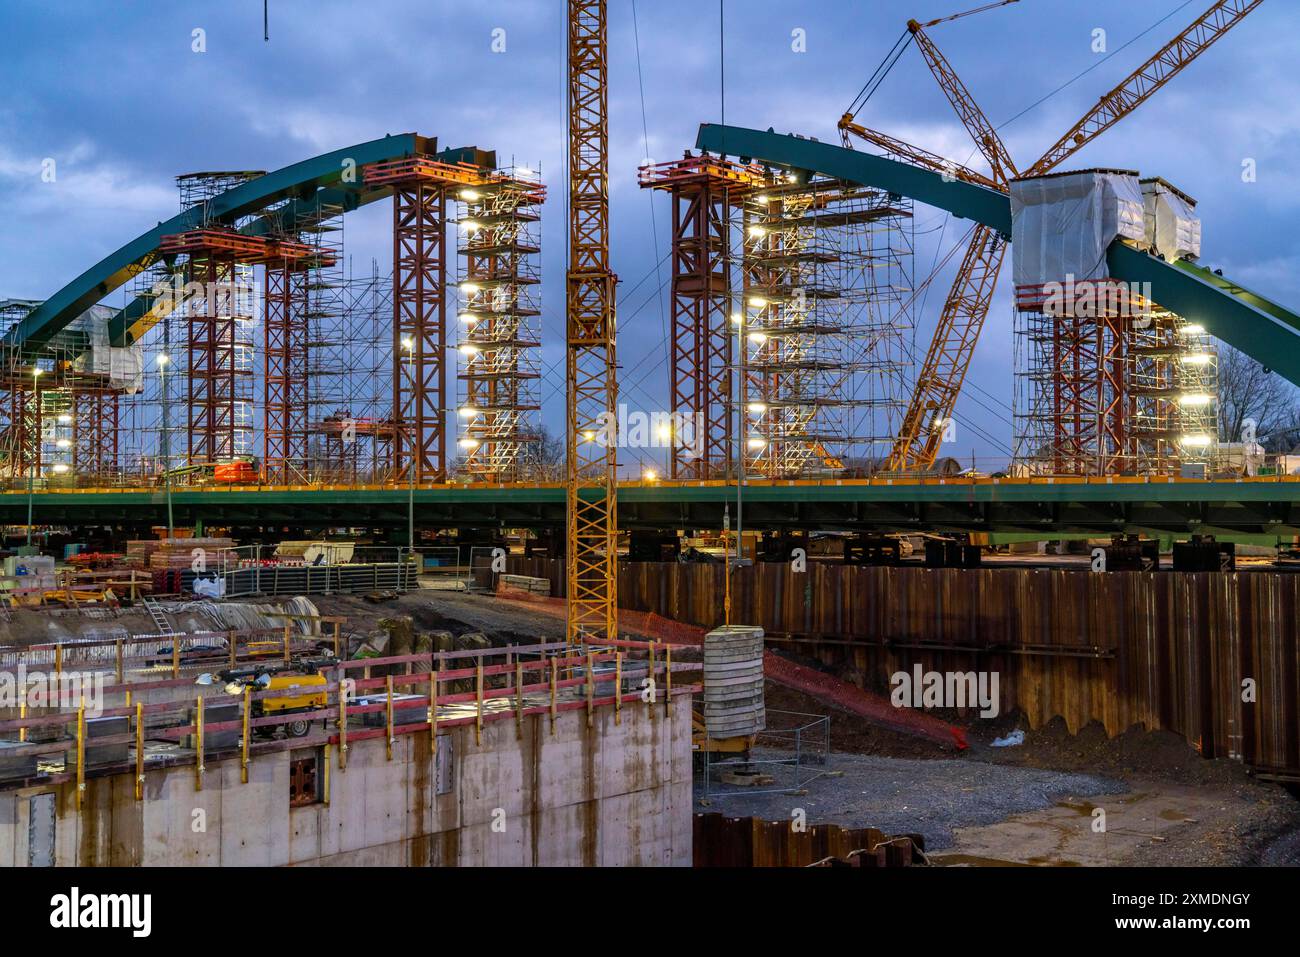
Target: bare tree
column 1248, row 392
column 547, row 453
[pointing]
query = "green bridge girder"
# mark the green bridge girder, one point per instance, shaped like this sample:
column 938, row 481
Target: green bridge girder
column 299, row 181
column 1264, row 330
column 134, row 320
column 1249, row 507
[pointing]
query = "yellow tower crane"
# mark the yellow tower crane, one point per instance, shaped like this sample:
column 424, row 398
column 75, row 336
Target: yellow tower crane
column 591, row 553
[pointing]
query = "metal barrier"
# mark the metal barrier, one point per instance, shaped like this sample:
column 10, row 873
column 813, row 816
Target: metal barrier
column 439, row 566
column 563, row 678
column 336, row 568
column 800, row 751
column 175, row 654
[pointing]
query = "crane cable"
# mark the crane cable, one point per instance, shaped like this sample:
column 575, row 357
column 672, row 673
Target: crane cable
column 967, row 13
column 645, row 141
column 886, row 65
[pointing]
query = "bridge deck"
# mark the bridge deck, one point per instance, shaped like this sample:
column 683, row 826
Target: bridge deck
column 1098, row 506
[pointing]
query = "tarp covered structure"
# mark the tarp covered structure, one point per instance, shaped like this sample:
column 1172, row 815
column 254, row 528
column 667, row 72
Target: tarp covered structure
column 1062, row 225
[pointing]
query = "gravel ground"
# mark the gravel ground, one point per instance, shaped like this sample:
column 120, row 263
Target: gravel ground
column 899, row 795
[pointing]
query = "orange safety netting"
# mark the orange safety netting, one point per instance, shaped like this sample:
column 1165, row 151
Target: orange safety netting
column 817, row 684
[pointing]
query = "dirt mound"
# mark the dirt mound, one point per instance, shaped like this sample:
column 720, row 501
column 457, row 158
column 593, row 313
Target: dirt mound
column 1136, row 752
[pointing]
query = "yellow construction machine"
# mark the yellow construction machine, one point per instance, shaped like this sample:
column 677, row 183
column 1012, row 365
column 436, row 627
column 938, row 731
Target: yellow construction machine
column 301, row 680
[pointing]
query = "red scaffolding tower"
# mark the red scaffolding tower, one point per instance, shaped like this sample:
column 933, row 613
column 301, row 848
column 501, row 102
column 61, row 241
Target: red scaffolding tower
column 219, row 377
column 285, row 424
column 707, row 194
column 420, row 399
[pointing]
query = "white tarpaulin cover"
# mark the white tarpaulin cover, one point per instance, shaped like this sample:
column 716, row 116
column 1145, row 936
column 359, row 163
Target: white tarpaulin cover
column 1173, row 229
column 123, row 366
column 1062, row 225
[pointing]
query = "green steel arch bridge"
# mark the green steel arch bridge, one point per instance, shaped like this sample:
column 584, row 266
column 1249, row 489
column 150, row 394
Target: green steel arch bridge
column 1263, row 330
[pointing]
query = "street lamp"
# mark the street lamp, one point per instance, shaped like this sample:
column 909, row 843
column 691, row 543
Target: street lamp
column 408, row 344
column 34, row 452
column 166, row 444
column 742, row 395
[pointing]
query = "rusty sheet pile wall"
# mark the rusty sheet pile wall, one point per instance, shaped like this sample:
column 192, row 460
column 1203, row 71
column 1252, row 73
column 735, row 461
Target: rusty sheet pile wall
column 722, row 841
column 1166, row 651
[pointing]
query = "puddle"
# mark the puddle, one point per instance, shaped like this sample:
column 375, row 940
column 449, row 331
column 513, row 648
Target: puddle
column 1083, row 809
column 973, row 860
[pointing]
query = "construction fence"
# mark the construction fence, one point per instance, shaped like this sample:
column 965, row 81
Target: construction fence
column 358, row 699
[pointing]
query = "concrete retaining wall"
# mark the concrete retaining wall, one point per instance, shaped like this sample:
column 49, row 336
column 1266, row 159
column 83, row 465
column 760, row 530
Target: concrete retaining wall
column 610, row 795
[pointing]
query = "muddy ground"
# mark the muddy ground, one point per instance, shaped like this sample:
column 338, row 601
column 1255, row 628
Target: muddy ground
column 1164, row 804
column 503, row 622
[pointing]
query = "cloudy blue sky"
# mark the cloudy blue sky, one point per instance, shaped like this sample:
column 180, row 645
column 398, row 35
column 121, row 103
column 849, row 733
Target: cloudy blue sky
column 112, row 90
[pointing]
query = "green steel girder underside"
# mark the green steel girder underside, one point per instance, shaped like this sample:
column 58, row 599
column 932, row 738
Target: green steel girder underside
column 135, row 319
column 1246, row 507
column 1265, row 331
column 330, row 178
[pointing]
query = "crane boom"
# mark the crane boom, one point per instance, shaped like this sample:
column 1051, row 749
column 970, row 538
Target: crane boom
column 910, row 153
column 977, row 124
column 968, row 13
column 940, row 379
column 1139, row 86
column 591, row 392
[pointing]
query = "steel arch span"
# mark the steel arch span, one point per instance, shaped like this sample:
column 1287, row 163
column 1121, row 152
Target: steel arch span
column 1264, row 330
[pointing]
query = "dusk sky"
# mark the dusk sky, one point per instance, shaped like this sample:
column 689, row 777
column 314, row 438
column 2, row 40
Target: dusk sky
column 112, row 91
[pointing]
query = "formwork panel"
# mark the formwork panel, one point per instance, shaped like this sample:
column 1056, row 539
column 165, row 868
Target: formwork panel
column 254, row 822
column 168, row 810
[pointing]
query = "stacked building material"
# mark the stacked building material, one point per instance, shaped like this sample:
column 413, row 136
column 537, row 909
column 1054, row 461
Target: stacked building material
column 138, row 552
column 733, row 681
column 179, row 554
column 523, row 585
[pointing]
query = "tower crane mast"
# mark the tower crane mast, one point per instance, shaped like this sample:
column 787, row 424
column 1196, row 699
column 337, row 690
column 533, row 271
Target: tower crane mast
column 591, row 554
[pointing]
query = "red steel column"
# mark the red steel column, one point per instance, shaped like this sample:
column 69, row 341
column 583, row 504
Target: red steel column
column 95, row 429
column 700, row 371
column 419, row 331
column 284, row 381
